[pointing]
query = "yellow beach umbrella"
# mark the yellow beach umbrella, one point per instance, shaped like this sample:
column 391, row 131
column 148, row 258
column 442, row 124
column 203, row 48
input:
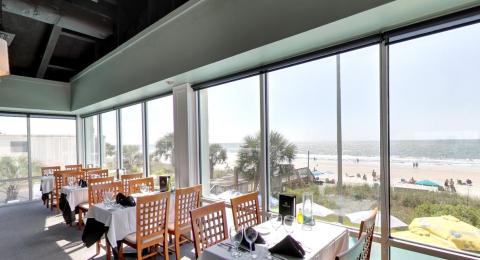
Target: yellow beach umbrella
column 463, row 235
column 422, row 236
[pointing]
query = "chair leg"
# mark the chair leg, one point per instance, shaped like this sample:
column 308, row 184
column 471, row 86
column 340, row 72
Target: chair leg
column 165, row 249
column 139, row 254
column 98, row 247
column 109, row 251
column 51, row 202
column 80, row 219
column 177, row 247
column 120, row 251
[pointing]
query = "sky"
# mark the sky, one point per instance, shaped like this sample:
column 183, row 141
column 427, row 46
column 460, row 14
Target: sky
column 434, row 94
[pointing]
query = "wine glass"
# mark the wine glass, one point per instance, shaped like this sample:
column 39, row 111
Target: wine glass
column 236, row 237
column 275, row 220
column 288, row 223
column 70, row 181
column 251, row 236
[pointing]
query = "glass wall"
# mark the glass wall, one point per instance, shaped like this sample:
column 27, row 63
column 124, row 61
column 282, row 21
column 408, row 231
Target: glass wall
column 160, row 138
column 435, row 139
column 132, row 138
column 230, row 138
column 13, row 159
column 92, row 145
column 109, row 141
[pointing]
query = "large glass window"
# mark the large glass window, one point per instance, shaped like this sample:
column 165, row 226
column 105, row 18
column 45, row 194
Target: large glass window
column 160, row 137
column 109, row 140
column 13, row 159
column 435, row 139
column 92, row 145
column 53, row 142
column 230, row 138
column 132, row 136
column 303, row 131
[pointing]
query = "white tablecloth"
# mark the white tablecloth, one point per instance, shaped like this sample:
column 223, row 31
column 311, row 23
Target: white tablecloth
column 324, row 241
column 75, row 195
column 120, row 221
column 47, row 183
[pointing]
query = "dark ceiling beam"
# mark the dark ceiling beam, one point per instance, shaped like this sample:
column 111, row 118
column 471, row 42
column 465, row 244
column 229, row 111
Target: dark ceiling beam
column 61, row 67
column 47, row 55
column 100, row 7
column 78, row 37
column 63, row 14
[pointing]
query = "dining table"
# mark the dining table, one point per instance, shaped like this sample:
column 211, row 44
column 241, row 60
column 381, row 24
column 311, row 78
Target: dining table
column 47, row 183
column 70, row 198
column 321, row 241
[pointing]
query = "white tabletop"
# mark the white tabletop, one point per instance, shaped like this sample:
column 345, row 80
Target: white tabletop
column 46, row 183
column 119, row 220
column 324, row 241
column 75, row 195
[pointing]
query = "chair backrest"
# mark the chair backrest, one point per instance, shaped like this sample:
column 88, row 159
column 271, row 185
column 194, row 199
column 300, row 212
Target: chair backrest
column 209, row 226
column 77, row 175
column 367, row 226
column 94, row 182
column 92, row 174
column 357, row 251
column 51, row 169
column 135, row 184
column 59, row 181
column 98, row 190
column 246, row 210
column 152, row 219
column 126, row 179
column 73, row 167
column 186, row 199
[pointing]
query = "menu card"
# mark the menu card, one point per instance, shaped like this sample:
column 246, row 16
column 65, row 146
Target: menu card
column 287, row 204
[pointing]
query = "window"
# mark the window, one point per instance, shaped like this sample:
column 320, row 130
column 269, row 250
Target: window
column 54, row 142
column 109, row 140
column 230, row 138
column 18, row 147
column 132, row 135
column 160, row 137
column 92, row 147
column 435, row 139
column 13, row 163
column 303, row 131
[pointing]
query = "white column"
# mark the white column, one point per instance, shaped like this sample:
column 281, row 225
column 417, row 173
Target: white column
column 204, row 143
column 80, row 142
column 185, row 142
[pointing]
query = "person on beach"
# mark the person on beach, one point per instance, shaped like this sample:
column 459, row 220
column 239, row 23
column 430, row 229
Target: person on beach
column 452, row 186
column 364, row 177
column 446, row 185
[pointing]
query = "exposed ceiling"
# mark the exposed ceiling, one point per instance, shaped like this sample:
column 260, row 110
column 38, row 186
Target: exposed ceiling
column 55, row 39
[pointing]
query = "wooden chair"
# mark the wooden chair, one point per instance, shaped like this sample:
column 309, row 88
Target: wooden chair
column 367, row 226
column 357, row 251
column 246, row 210
column 77, row 175
column 91, row 183
column 209, row 226
column 92, row 174
column 51, row 169
column 58, row 175
column 127, row 177
column 98, row 190
column 45, row 172
column 152, row 220
column 135, row 184
column 87, row 170
column 73, row 167
column 186, row 199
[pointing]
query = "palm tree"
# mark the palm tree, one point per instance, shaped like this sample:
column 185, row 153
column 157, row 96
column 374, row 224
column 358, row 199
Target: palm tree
column 164, row 148
column 280, row 151
column 217, row 155
column 12, row 168
column 132, row 157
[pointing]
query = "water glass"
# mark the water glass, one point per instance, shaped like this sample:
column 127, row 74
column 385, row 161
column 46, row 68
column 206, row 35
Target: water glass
column 275, row 221
column 236, row 237
column 288, row 223
column 251, row 236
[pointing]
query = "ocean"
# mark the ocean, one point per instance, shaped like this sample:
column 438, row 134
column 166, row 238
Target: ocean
column 456, row 151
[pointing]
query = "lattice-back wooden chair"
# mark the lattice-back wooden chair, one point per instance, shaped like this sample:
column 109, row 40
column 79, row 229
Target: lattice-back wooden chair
column 186, row 199
column 246, row 210
column 55, row 198
column 84, row 207
column 87, row 170
column 209, row 226
column 357, row 251
column 367, row 227
column 135, row 184
column 126, row 179
column 46, row 171
column 98, row 190
column 92, row 174
column 77, row 175
column 49, row 170
column 152, row 220
column 73, row 167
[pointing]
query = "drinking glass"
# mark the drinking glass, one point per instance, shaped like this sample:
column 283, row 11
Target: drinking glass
column 236, row 237
column 288, row 223
column 275, row 220
column 251, row 236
